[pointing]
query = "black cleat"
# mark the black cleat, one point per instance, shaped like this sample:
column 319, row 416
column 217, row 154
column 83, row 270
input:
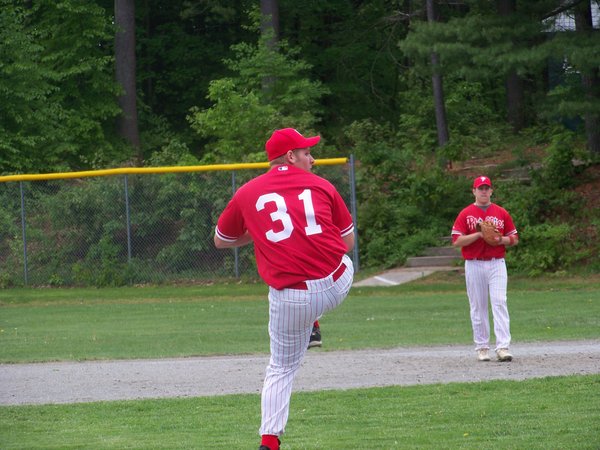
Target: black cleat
column 315, row 338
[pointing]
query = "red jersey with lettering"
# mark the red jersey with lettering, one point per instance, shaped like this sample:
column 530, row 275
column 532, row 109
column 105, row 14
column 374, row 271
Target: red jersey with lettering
column 296, row 220
column 466, row 222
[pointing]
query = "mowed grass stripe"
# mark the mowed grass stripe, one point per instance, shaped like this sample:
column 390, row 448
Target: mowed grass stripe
column 554, row 412
column 65, row 324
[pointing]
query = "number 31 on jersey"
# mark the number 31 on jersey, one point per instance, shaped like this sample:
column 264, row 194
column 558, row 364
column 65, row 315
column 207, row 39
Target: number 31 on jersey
column 281, row 215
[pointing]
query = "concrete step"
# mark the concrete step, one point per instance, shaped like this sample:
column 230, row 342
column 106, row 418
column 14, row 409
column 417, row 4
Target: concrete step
column 432, row 261
column 394, row 277
column 442, row 251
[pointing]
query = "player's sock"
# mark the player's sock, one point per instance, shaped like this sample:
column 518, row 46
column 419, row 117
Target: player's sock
column 316, row 324
column 271, row 441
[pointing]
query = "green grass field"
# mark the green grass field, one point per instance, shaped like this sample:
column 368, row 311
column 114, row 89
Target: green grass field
column 150, row 322
column 551, row 413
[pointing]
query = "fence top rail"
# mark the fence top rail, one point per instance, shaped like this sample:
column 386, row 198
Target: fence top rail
column 154, row 170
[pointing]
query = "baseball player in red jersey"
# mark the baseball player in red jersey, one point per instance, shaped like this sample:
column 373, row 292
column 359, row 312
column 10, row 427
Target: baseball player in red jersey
column 485, row 268
column 301, row 229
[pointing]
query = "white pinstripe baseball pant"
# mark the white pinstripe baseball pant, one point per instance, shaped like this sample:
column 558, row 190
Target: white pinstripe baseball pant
column 485, row 278
column 292, row 313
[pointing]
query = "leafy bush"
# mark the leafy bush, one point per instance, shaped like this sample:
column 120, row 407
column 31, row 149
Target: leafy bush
column 545, row 248
column 77, row 231
column 554, row 236
column 269, row 89
column 406, row 201
column 58, row 96
column 103, row 266
column 11, row 245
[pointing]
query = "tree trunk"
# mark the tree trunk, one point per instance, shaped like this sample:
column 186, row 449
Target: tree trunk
column 438, row 88
column 269, row 11
column 514, row 101
column 590, row 80
column 149, row 92
column 125, row 72
column 514, row 84
column 269, row 23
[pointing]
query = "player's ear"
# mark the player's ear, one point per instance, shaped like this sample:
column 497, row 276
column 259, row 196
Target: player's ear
column 289, row 156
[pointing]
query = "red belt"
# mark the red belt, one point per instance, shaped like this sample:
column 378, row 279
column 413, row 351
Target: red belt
column 301, row 285
column 483, row 259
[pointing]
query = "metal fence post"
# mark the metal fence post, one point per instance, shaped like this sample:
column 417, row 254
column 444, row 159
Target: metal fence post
column 236, row 250
column 127, row 218
column 354, row 214
column 24, row 234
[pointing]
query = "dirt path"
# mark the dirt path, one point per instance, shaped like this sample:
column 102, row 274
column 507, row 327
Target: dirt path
column 73, row 382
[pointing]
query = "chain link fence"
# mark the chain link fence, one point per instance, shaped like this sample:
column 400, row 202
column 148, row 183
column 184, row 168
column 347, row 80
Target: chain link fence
column 149, row 228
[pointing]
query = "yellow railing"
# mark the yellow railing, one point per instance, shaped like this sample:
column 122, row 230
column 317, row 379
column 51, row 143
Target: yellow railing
column 73, row 246
column 169, row 169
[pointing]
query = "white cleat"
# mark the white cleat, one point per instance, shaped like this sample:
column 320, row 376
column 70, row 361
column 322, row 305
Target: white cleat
column 504, row 354
column 483, row 354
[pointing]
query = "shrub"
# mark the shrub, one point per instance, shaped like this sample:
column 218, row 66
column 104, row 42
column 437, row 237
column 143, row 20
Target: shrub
column 545, row 248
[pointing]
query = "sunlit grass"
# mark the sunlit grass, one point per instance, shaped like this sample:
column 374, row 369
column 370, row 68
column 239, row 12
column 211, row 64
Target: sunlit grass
column 548, row 413
column 156, row 322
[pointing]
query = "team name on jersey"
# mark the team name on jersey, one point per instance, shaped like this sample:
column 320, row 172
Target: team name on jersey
column 473, row 221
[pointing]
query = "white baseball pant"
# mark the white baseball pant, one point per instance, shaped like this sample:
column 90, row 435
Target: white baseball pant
column 488, row 278
column 292, row 313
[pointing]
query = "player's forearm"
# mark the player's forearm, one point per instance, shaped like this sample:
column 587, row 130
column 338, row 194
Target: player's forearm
column 509, row 241
column 466, row 239
column 349, row 241
column 245, row 239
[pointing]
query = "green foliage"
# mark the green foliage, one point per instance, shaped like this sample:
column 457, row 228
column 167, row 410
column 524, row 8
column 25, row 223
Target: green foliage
column 103, row 265
column 57, row 93
column 474, row 123
column 546, row 248
column 269, row 90
column 237, row 123
column 550, row 216
column 558, row 172
column 482, row 45
column 11, row 243
column 21, row 77
column 572, row 55
column 407, row 202
column 77, row 231
column 71, row 231
column 173, row 153
column 160, row 144
column 5, row 280
column 472, row 120
column 397, row 190
column 416, row 127
column 352, row 47
column 346, row 60
column 181, row 45
column 547, row 198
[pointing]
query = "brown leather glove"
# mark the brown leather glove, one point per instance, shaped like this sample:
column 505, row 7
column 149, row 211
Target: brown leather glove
column 491, row 235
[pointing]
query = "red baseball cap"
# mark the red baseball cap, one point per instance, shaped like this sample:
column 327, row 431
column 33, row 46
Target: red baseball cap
column 287, row 139
column 480, row 181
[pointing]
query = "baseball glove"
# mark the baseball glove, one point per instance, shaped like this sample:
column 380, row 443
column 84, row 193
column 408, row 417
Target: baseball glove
column 491, row 235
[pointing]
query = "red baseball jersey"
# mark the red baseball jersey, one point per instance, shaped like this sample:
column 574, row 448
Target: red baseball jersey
column 297, row 230
column 466, row 222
